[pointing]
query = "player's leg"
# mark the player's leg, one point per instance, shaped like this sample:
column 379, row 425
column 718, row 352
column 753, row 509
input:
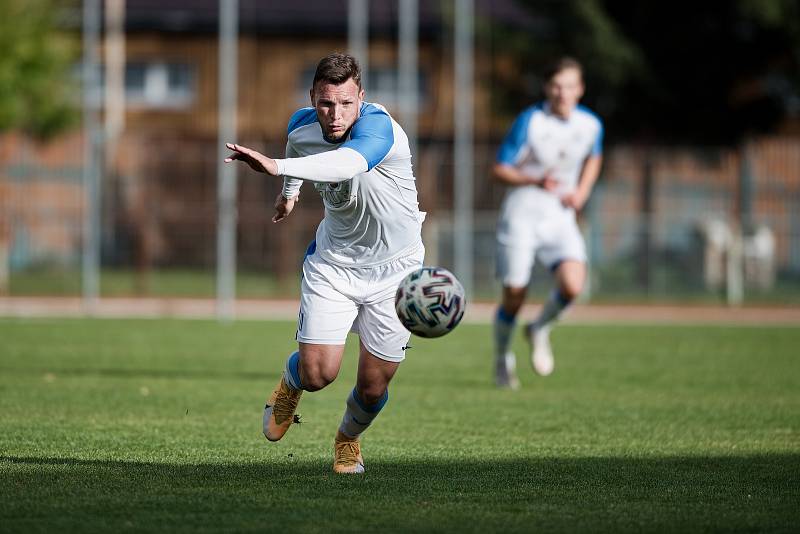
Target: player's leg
column 566, row 254
column 513, row 268
column 505, row 320
column 363, row 405
column 325, row 317
column 310, row 368
column 383, row 345
column 570, row 276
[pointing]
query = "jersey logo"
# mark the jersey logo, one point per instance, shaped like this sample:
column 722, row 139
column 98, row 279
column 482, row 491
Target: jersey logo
column 336, row 195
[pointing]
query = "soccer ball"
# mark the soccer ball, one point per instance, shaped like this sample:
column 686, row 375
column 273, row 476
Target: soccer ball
column 430, row 302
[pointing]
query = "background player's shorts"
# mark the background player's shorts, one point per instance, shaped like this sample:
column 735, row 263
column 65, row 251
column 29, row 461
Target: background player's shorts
column 335, row 300
column 549, row 242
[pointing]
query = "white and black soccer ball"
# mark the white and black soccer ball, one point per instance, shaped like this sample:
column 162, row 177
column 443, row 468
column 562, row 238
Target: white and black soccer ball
column 430, row 302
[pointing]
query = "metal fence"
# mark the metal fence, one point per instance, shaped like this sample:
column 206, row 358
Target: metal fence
column 677, row 224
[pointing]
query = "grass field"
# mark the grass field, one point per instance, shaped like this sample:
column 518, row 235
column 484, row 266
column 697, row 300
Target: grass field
column 614, row 287
column 156, row 426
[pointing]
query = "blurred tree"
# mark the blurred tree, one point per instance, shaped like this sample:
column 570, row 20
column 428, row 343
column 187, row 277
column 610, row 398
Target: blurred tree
column 680, row 71
column 36, row 90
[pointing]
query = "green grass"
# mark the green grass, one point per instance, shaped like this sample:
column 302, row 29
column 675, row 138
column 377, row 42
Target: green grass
column 156, row 426
column 201, row 283
column 157, row 282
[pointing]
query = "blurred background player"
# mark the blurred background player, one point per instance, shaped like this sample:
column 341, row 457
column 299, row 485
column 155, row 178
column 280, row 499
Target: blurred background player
column 359, row 160
column 551, row 158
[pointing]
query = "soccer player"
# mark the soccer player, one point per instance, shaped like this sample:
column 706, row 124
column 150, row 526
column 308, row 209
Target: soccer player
column 359, row 161
column 551, row 158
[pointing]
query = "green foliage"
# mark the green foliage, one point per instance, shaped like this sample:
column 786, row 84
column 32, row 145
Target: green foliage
column 607, row 51
column 680, row 71
column 154, row 426
column 36, row 89
column 775, row 13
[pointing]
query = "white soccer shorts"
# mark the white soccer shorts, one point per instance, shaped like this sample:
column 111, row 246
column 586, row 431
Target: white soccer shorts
column 550, row 241
column 335, row 300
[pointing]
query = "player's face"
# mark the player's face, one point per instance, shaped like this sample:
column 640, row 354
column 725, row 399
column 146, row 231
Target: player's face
column 564, row 91
column 337, row 107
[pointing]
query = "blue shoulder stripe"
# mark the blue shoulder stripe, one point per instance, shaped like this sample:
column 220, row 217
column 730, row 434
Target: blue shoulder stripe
column 516, row 137
column 301, row 117
column 597, row 147
column 581, row 107
column 372, row 135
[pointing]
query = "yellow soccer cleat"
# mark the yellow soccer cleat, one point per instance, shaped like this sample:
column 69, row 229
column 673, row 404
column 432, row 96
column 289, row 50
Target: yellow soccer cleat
column 279, row 411
column 347, row 455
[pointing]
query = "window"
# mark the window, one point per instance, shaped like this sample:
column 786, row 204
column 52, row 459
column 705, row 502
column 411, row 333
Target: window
column 159, row 85
column 155, row 84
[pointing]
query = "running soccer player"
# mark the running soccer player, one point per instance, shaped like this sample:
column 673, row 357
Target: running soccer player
column 359, row 161
column 551, row 157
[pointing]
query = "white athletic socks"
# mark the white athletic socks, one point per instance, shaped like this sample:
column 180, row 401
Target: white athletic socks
column 551, row 310
column 291, row 374
column 503, row 329
column 358, row 416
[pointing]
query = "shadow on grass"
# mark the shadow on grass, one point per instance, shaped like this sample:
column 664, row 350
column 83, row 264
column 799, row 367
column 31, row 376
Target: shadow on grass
column 730, row 493
column 187, row 374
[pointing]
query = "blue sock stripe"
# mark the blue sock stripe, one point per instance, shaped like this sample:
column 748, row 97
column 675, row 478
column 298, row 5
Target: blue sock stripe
column 561, row 299
column 504, row 317
column 294, row 368
column 375, row 408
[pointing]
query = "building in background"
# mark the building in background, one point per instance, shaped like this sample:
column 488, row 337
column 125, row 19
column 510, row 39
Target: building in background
column 647, row 226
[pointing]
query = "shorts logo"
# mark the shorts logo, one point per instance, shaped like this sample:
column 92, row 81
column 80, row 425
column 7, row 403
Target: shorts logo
column 300, row 318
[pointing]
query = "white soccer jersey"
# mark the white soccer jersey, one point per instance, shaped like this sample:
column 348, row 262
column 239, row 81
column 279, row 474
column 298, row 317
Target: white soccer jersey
column 366, row 182
column 540, row 142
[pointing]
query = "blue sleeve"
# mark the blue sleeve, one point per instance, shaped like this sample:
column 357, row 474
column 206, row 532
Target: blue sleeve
column 372, row 136
column 597, row 148
column 515, row 138
column 301, row 117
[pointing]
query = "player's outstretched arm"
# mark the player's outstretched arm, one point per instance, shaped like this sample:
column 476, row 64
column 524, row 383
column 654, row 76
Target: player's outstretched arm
column 332, row 166
column 256, row 160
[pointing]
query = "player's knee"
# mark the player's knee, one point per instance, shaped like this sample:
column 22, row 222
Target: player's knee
column 512, row 300
column 372, row 393
column 511, row 309
column 570, row 290
column 315, row 381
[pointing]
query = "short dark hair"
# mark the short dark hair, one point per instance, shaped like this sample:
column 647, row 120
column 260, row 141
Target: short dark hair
column 560, row 64
column 337, row 68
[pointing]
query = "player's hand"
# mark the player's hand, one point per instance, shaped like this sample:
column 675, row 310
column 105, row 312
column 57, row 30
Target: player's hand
column 546, row 182
column 257, row 161
column 574, row 200
column 283, row 207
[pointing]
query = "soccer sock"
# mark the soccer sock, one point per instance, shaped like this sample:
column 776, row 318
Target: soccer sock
column 358, row 416
column 552, row 309
column 291, row 374
column 503, row 328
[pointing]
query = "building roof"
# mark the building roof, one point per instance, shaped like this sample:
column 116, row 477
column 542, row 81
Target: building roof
column 313, row 17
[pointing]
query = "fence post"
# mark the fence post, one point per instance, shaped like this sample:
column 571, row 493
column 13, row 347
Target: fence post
column 646, row 226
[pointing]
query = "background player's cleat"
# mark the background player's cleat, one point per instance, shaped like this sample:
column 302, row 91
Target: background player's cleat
column 541, row 352
column 279, row 411
column 505, row 371
column 347, row 454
